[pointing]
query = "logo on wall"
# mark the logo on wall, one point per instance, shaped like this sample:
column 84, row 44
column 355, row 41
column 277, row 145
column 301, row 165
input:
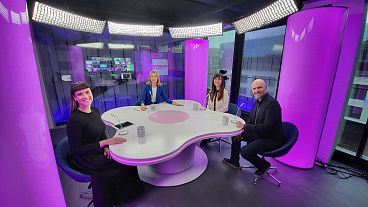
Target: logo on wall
column 16, row 18
column 161, row 66
column 307, row 29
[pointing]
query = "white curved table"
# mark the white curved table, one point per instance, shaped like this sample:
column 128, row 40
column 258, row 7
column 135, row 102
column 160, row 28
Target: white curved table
column 169, row 156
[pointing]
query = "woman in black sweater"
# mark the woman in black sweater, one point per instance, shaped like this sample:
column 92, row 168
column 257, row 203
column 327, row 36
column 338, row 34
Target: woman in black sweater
column 112, row 182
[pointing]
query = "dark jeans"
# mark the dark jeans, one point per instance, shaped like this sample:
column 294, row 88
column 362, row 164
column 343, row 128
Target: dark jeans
column 252, row 149
column 116, row 186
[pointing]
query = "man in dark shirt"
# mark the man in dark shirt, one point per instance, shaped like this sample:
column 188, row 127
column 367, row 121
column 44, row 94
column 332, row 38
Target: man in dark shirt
column 262, row 132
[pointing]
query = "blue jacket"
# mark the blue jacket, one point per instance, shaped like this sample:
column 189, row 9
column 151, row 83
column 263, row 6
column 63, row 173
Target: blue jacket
column 160, row 95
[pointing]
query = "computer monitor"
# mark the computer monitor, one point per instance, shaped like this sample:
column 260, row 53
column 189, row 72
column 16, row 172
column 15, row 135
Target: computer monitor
column 126, row 76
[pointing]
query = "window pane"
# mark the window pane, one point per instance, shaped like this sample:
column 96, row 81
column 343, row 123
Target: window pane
column 356, row 110
column 220, row 57
column 261, row 59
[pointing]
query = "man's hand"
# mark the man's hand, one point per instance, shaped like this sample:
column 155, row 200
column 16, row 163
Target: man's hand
column 240, row 125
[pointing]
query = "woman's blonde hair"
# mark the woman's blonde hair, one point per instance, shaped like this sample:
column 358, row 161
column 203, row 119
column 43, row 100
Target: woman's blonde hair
column 158, row 78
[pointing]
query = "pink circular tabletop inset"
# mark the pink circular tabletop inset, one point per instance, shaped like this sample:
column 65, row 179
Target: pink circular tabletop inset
column 168, row 116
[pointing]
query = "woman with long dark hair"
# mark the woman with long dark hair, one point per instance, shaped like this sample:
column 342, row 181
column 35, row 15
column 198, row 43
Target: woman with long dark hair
column 112, row 182
column 218, row 98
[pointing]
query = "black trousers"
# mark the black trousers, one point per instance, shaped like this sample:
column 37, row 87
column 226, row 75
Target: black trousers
column 254, row 147
column 115, row 186
column 112, row 183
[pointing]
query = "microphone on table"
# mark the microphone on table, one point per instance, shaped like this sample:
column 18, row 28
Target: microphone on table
column 121, row 126
column 234, row 121
column 120, row 130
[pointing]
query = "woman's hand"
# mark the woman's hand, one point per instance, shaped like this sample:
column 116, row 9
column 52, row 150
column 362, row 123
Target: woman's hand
column 177, row 104
column 240, row 125
column 112, row 141
column 107, row 152
column 143, row 107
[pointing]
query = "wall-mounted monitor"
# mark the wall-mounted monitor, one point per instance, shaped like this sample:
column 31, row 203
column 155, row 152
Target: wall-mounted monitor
column 126, row 76
column 118, row 64
column 123, row 64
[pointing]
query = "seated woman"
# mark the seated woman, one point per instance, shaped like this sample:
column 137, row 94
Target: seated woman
column 154, row 92
column 112, row 182
column 218, row 98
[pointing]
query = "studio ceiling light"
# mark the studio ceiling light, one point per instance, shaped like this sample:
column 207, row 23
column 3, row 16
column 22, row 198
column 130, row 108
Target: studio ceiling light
column 274, row 12
column 95, row 45
column 120, row 46
column 136, row 30
column 49, row 15
column 196, row 32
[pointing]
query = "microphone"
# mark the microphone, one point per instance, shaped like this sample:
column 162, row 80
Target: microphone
column 121, row 126
column 121, row 131
column 234, row 121
column 207, row 99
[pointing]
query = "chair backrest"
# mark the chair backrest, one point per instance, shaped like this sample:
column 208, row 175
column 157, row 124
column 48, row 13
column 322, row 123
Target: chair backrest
column 62, row 152
column 233, row 109
column 291, row 134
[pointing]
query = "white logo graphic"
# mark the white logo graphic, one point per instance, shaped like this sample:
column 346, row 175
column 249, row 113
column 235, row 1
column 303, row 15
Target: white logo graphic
column 300, row 37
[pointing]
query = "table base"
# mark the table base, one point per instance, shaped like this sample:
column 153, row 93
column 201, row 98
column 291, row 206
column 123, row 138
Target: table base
column 152, row 175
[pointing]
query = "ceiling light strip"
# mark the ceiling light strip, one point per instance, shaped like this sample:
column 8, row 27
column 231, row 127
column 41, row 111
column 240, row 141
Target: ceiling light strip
column 272, row 13
column 196, row 32
column 49, row 15
column 135, row 30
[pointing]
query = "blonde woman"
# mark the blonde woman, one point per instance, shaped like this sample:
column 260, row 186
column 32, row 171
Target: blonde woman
column 154, row 92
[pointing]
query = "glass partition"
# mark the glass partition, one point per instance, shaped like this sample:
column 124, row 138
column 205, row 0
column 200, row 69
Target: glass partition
column 115, row 66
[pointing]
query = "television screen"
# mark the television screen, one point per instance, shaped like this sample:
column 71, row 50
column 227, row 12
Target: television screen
column 89, row 65
column 102, row 63
column 109, row 64
column 126, row 76
column 123, row 64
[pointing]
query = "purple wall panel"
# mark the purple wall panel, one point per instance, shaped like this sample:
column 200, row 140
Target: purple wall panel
column 307, row 73
column 29, row 173
column 76, row 63
column 196, row 70
column 349, row 49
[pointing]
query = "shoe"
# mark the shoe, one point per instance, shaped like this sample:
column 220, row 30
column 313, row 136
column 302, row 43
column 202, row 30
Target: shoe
column 232, row 164
column 204, row 142
column 262, row 171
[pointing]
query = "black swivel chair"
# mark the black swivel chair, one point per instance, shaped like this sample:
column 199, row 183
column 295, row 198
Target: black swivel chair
column 62, row 152
column 291, row 134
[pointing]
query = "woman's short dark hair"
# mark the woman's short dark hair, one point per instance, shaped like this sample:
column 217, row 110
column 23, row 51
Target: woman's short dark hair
column 77, row 86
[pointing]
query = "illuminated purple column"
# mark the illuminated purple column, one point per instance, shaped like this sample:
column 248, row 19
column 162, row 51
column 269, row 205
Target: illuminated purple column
column 196, row 70
column 310, row 57
column 349, row 49
column 29, row 173
column 76, row 63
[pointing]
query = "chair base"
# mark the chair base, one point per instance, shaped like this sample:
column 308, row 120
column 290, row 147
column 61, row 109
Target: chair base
column 256, row 179
column 220, row 139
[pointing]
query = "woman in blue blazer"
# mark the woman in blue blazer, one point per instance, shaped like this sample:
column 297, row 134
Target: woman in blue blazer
column 154, row 92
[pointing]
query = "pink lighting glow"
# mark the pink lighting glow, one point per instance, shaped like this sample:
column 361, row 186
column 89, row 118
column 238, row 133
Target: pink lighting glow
column 307, row 76
column 196, row 68
column 156, row 160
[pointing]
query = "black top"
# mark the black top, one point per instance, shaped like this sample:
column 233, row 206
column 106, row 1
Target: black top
column 214, row 100
column 84, row 131
column 265, row 120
